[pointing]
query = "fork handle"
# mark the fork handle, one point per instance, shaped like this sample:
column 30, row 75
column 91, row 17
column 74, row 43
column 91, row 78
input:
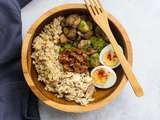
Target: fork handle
column 124, row 63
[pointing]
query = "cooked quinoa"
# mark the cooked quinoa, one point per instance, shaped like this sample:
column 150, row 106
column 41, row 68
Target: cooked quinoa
column 69, row 85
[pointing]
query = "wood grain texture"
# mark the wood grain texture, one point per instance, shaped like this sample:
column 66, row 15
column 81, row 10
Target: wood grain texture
column 102, row 97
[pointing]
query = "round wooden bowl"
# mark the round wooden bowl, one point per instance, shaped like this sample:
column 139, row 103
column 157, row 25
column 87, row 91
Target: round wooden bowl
column 102, row 97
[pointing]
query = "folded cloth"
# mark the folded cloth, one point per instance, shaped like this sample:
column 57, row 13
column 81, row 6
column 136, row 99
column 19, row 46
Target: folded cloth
column 17, row 102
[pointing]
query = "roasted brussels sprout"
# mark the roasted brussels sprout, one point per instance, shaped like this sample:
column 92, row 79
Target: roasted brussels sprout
column 67, row 45
column 61, row 49
column 84, row 44
column 84, row 17
column 94, row 60
column 89, row 23
column 98, row 31
column 83, row 26
column 98, row 43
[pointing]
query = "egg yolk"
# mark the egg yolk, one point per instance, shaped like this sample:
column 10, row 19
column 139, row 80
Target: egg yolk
column 100, row 76
column 110, row 58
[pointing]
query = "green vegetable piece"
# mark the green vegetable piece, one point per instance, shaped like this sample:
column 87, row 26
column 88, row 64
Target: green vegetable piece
column 98, row 31
column 83, row 17
column 89, row 23
column 84, row 44
column 87, row 44
column 75, row 44
column 98, row 43
column 83, row 26
column 67, row 45
column 94, row 60
column 61, row 49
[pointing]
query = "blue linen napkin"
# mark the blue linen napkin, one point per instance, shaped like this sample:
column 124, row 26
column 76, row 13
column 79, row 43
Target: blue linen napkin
column 17, row 102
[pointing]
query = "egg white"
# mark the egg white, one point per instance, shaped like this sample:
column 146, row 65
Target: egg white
column 111, row 79
column 105, row 50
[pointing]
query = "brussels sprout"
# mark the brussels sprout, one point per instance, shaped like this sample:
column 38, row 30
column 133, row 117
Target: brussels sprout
column 87, row 45
column 83, row 26
column 94, row 60
column 98, row 43
column 88, row 35
column 89, row 23
column 98, row 31
column 84, row 17
column 61, row 49
column 75, row 44
column 67, row 45
column 84, row 44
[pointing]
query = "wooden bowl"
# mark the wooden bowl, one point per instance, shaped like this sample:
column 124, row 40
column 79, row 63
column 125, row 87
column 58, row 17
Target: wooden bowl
column 102, row 97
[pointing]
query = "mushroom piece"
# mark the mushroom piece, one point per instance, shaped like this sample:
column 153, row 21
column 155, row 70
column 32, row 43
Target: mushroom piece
column 63, row 23
column 63, row 39
column 70, row 33
column 90, row 91
column 80, row 34
column 54, row 83
column 81, row 44
column 73, row 20
column 91, row 51
column 79, row 38
column 86, row 35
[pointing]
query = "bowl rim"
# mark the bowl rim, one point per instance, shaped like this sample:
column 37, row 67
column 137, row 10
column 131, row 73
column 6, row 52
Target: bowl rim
column 63, row 107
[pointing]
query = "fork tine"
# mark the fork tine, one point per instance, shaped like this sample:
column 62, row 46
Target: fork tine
column 97, row 6
column 89, row 8
column 93, row 6
column 100, row 5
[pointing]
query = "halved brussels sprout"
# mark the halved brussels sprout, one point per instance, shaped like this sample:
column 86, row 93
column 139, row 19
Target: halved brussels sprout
column 94, row 60
column 83, row 26
column 98, row 43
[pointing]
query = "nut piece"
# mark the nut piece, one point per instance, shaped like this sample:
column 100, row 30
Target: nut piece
column 73, row 20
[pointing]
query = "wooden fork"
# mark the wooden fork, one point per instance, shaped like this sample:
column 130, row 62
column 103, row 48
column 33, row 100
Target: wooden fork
column 101, row 18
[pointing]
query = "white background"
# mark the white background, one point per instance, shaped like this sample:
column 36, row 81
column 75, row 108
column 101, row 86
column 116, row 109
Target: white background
column 141, row 19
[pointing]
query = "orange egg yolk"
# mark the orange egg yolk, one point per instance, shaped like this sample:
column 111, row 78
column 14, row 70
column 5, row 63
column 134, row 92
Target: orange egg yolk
column 100, row 76
column 110, row 58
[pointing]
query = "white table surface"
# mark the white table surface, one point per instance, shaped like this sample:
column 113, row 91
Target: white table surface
column 141, row 19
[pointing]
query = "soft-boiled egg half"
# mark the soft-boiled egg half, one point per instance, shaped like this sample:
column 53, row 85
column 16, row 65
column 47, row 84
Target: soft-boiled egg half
column 103, row 76
column 108, row 57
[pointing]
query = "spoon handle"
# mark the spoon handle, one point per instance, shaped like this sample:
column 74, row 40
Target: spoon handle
column 124, row 63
